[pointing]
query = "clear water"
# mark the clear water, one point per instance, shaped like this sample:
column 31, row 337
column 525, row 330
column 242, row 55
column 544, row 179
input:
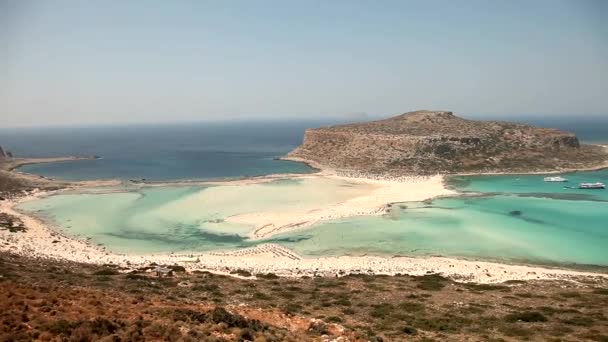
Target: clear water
column 171, row 218
column 505, row 227
column 523, row 223
column 533, row 185
column 168, row 152
column 519, row 218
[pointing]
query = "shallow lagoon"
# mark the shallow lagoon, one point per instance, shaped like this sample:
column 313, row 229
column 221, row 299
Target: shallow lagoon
column 178, row 218
column 498, row 227
column 534, row 185
column 523, row 219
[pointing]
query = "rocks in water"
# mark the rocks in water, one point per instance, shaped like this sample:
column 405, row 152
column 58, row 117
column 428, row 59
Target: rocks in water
column 515, row 213
column 3, row 153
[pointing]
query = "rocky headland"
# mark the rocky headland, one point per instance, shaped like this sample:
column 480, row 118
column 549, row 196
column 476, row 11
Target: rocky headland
column 432, row 142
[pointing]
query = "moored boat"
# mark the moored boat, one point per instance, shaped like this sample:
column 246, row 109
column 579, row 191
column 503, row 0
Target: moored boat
column 555, row 179
column 597, row 185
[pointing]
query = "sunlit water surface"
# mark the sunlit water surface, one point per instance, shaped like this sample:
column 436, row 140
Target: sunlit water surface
column 512, row 218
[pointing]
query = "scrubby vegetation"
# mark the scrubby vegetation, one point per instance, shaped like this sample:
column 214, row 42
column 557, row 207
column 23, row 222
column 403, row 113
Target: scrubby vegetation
column 47, row 300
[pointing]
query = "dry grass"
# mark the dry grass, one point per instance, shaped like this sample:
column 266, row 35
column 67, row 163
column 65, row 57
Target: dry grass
column 62, row 301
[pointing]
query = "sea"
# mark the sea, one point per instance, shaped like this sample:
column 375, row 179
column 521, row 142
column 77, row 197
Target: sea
column 500, row 218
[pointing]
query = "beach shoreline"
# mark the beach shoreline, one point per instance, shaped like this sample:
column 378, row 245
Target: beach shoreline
column 42, row 240
column 11, row 164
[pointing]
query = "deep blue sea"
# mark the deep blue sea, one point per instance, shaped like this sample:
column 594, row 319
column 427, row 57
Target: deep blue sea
column 195, row 150
column 162, row 152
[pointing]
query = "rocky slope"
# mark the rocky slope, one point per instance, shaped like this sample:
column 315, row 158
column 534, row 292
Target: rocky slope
column 424, row 142
column 49, row 300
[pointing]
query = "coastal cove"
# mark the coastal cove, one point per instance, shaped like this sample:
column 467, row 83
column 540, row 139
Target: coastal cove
column 225, row 198
column 509, row 219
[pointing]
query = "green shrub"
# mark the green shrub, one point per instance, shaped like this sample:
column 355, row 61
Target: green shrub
column 578, row 321
column 61, row 327
column 292, row 308
column 431, row 282
column 601, row 291
column 381, row 310
column 106, row 272
column 221, row 315
column 348, row 311
column 135, row 276
column 343, row 301
column 206, row 287
column 267, row 276
column 176, row 268
column 261, row 296
column 570, row 294
column 242, row 273
column 287, row 295
column 333, row 319
column 102, row 326
column 409, row 330
column 411, row 306
column 526, row 316
column 486, row 287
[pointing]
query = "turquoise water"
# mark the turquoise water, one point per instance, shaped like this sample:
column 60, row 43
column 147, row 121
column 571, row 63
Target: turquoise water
column 129, row 221
column 533, row 185
column 172, row 218
column 514, row 218
column 505, row 227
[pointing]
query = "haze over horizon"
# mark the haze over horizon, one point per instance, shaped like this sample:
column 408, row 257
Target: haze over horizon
column 84, row 63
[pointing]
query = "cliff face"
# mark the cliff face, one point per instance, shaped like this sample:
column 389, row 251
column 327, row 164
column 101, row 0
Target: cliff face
column 439, row 142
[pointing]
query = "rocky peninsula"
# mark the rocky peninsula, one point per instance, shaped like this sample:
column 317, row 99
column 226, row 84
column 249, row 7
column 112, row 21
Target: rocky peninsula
column 438, row 142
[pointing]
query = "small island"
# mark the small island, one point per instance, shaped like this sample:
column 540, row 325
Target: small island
column 438, row 142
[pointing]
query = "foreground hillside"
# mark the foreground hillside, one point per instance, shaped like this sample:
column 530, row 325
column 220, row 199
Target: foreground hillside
column 426, row 142
column 52, row 301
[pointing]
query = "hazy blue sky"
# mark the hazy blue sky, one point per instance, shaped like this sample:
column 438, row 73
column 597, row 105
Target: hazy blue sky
column 67, row 62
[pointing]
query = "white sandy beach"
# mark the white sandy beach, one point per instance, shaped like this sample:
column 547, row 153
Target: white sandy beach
column 42, row 241
column 384, row 192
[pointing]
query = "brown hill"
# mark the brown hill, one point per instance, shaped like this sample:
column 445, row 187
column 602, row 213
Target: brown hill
column 425, row 142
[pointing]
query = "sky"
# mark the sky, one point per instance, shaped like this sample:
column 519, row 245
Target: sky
column 98, row 62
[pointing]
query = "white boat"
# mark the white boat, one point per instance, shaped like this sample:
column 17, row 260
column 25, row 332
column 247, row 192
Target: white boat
column 597, row 185
column 555, row 179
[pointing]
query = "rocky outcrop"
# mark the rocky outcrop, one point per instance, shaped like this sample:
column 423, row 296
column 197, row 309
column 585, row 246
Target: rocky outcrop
column 3, row 154
column 425, row 142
